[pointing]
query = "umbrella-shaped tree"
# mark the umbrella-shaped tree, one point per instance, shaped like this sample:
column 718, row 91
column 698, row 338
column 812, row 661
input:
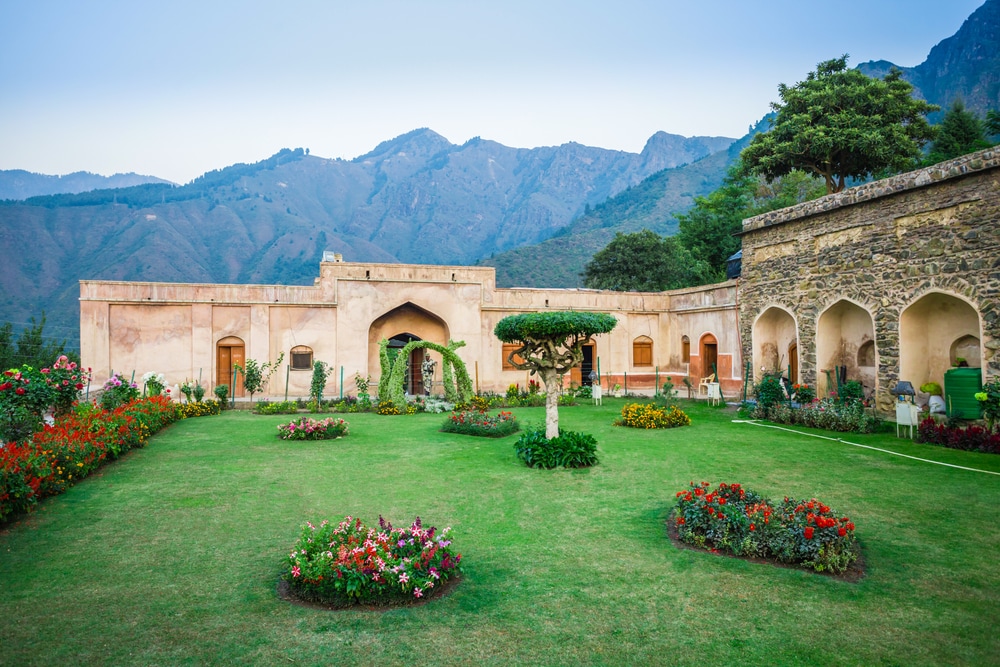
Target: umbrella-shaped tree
column 550, row 344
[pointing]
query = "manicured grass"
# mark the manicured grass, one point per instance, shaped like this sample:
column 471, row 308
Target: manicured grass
column 171, row 555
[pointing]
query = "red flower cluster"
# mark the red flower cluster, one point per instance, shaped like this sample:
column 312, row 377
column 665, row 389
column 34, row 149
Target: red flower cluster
column 733, row 518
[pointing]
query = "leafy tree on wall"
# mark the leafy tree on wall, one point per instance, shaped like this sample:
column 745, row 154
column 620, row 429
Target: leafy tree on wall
column 643, row 262
column 708, row 230
column 550, row 344
column 841, row 124
column 960, row 133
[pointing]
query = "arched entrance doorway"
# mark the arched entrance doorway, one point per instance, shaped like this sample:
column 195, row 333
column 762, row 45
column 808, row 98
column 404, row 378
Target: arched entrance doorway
column 229, row 352
column 413, row 380
column 933, row 332
column 845, row 338
column 709, row 356
column 775, row 344
column 399, row 326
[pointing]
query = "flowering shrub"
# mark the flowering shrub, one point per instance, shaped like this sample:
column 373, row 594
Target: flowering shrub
column 989, row 401
column 474, row 422
column 650, row 415
column 154, row 383
column 570, row 450
column 312, row 429
column 387, row 408
column 803, row 393
column 742, row 522
column 202, row 409
column 828, row 414
column 76, row 445
column 118, row 391
column 276, row 408
column 26, row 394
column 971, row 438
column 351, row 564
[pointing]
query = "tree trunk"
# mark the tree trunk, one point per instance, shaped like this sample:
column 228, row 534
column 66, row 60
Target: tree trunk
column 550, row 378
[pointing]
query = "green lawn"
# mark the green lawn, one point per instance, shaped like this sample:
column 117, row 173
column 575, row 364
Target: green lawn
column 171, row 555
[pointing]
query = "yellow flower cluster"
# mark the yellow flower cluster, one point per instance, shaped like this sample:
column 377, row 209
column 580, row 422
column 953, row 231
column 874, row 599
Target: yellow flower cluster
column 649, row 415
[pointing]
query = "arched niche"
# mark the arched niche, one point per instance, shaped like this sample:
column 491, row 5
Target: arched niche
column 928, row 332
column 970, row 349
column 843, row 330
column 775, row 340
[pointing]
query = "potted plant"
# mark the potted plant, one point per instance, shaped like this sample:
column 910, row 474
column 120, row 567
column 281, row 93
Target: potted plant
column 935, row 404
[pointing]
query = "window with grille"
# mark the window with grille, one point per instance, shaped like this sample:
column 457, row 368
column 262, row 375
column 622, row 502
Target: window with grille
column 301, row 358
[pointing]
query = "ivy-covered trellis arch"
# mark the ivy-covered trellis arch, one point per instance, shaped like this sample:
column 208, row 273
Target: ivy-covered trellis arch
column 454, row 375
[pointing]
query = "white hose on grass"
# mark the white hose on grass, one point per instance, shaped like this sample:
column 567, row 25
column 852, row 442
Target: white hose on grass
column 754, row 422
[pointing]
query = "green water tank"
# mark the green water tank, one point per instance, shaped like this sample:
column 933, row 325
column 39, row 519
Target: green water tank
column 960, row 388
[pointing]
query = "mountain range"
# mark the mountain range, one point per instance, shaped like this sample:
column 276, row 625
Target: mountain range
column 537, row 215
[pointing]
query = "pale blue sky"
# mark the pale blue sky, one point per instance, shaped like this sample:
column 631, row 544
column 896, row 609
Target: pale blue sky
column 176, row 88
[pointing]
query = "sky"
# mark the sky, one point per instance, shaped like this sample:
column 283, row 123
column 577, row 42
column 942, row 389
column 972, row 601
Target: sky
column 177, row 88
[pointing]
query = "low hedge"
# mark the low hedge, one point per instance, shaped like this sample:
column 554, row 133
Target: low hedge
column 970, row 439
column 650, row 415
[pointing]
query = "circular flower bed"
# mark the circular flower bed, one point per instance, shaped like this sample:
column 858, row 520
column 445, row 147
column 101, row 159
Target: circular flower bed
column 350, row 564
column 313, row 429
column 741, row 522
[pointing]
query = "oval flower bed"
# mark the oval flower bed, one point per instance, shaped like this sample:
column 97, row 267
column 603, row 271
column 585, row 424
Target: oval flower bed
column 741, row 522
column 477, row 422
column 650, row 415
column 350, row 564
column 313, row 429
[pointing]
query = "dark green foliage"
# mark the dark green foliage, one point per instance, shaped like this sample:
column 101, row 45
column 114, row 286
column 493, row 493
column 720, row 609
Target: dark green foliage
column 555, row 325
column 570, row 450
column 992, row 123
column 708, row 230
column 960, row 133
column 321, row 371
column 851, row 391
column 769, row 392
column 841, row 124
column 32, row 347
column 644, row 262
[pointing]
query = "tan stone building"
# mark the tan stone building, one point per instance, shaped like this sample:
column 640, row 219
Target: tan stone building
column 189, row 331
column 894, row 279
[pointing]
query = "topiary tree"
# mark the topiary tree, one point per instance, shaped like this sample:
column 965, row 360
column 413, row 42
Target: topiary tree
column 550, row 344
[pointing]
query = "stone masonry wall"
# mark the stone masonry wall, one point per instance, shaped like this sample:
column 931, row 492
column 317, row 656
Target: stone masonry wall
column 882, row 245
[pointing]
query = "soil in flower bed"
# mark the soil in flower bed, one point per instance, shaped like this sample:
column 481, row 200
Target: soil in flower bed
column 286, row 593
column 854, row 573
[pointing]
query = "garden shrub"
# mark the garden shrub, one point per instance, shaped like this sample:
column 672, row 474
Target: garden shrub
column 827, row 414
column 769, row 391
column 567, row 399
column 851, row 391
column 570, row 449
column 221, row 392
column 971, row 438
column 387, row 408
column 989, row 401
column 276, row 408
column 118, row 391
column 474, row 422
column 650, row 415
column 350, row 564
column 306, row 428
column 742, row 522
column 201, row 409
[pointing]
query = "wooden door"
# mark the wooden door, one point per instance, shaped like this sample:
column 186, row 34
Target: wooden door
column 230, row 353
column 710, row 359
column 793, row 363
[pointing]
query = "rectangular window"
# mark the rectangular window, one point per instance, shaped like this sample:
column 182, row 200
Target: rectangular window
column 507, row 349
